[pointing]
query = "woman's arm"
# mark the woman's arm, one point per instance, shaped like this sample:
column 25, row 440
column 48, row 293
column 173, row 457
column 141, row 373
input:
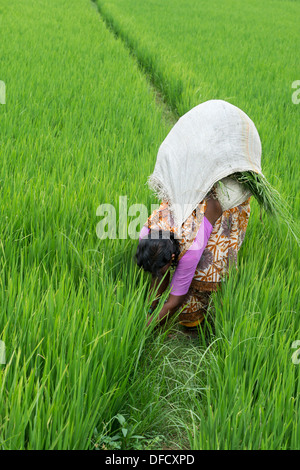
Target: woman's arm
column 171, row 306
column 183, row 275
column 186, row 268
column 159, row 286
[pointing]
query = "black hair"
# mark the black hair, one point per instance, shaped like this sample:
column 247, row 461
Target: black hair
column 156, row 250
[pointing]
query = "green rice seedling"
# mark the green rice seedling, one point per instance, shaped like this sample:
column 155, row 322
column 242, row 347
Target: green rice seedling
column 268, row 198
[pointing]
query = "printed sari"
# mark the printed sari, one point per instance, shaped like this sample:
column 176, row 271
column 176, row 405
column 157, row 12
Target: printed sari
column 221, row 251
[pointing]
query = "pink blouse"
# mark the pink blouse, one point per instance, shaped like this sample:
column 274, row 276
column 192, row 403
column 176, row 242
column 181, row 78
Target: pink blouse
column 187, row 265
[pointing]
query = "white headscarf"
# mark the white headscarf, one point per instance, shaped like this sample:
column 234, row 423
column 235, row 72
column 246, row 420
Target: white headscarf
column 208, row 143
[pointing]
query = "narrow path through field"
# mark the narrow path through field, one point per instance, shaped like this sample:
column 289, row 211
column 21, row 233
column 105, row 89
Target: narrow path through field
column 183, row 354
column 169, row 113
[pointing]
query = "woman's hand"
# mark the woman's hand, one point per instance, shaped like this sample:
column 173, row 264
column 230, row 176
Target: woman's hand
column 171, row 306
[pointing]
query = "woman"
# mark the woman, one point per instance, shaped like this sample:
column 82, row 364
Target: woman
column 201, row 224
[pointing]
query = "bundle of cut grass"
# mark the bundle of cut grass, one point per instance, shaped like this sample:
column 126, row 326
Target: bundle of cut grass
column 268, row 198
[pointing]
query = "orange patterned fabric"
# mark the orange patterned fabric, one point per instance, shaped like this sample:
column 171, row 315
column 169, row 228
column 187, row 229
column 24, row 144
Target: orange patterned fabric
column 196, row 308
column 223, row 245
column 161, row 219
column 222, row 248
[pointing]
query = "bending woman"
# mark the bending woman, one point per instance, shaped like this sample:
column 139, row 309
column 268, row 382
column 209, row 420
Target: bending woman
column 200, row 224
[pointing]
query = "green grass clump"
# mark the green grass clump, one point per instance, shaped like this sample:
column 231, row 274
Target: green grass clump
column 268, row 198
